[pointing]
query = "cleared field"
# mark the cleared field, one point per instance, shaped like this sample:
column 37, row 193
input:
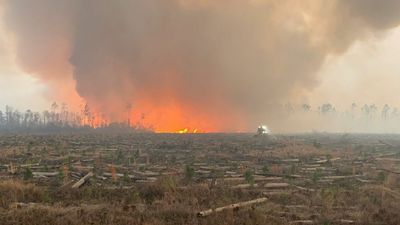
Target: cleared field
column 199, row 179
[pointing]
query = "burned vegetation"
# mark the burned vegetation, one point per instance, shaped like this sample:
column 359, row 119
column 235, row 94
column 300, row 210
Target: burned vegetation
column 199, row 179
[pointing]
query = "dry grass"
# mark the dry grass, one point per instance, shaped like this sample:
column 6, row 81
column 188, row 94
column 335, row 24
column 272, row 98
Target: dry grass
column 165, row 203
column 14, row 191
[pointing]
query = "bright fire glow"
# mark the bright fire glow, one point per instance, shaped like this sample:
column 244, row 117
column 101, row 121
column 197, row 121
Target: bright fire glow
column 173, row 117
column 187, row 131
column 183, row 131
column 167, row 116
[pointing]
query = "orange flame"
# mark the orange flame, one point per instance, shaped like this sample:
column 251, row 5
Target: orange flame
column 187, row 131
column 173, row 118
column 183, row 131
column 168, row 115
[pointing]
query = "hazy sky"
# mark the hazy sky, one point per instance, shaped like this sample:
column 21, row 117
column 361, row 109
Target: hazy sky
column 369, row 72
column 191, row 61
column 17, row 89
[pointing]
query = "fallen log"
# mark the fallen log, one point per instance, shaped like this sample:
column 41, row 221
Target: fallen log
column 45, row 174
column 304, row 189
column 276, row 185
column 302, row 222
column 232, row 206
column 82, row 180
column 20, row 205
column 277, row 192
column 243, row 186
column 29, row 165
column 280, row 175
column 338, row 177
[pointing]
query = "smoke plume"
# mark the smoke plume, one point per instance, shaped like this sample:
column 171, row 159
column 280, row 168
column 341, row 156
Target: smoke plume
column 212, row 65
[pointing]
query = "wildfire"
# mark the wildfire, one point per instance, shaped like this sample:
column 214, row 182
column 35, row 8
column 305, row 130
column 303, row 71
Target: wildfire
column 173, row 117
column 167, row 119
column 161, row 117
column 183, row 131
column 95, row 120
column 187, row 131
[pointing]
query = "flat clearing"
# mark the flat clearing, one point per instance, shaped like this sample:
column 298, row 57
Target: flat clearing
column 146, row 178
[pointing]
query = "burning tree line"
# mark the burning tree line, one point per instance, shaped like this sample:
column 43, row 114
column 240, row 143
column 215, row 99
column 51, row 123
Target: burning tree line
column 362, row 118
column 58, row 118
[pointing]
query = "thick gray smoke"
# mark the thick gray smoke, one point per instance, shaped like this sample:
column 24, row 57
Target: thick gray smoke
column 224, row 59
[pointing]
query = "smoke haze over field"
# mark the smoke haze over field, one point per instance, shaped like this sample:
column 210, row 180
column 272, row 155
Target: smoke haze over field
column 212, row 65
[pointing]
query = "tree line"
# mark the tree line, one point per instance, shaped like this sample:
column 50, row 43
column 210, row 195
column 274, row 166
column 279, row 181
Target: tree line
column 355, row 110
column 58, row 117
